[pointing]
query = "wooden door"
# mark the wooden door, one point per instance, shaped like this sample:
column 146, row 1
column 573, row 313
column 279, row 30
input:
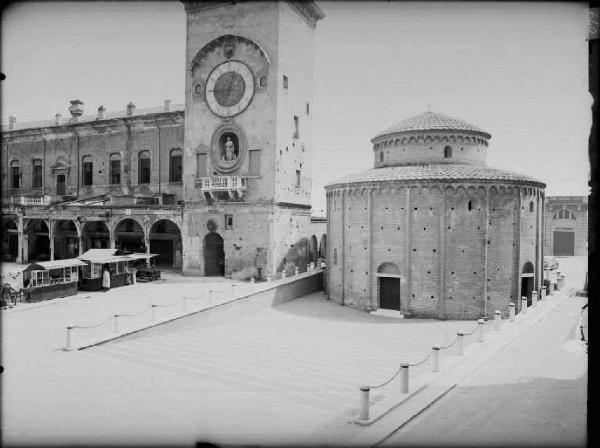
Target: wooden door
column 389, row 293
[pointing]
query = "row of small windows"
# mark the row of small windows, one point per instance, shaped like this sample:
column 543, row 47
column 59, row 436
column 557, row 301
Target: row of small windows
column 87, row 169
column 413, row 139
column 564, row 214
column 447, row 153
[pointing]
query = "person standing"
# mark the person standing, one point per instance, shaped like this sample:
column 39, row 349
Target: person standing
column 105, row 278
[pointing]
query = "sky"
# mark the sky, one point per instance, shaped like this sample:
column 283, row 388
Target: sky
column 517, row 70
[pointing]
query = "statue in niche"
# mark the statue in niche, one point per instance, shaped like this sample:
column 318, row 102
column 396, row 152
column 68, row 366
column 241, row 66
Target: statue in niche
column 229, row 152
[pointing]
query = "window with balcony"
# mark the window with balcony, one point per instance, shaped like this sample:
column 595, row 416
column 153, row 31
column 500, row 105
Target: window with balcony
column 175, row 165
column 37, row 174
column 254, row 162
column 87, row 165
column 144, row 167
column 115, row 169
column 15, row 174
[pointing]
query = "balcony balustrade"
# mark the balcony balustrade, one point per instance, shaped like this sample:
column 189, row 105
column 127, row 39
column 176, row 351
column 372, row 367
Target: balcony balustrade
column 233, row 186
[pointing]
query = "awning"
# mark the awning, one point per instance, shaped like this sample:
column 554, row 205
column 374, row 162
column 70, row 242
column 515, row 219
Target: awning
column 108, row 256
column 56, row 264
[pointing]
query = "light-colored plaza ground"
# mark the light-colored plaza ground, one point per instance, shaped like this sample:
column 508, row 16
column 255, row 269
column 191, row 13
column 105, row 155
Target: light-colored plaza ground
column 288, row 374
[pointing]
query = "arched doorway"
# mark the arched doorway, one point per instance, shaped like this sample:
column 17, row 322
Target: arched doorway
column 527, row 281
column 214, row 255
column 66, row 240
column 95, row 235
column 388, row 276
column 129, row 236
column 165, row 240
column 314, row 248
column 38, row 240
column 10, row 240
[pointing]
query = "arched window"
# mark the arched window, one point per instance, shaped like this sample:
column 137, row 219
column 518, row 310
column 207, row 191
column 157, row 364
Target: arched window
column 87, row 170
column 531, row 206
column 335, row 256
column 115, row 169
column 37, row 174
column 381, row 156
column 144, row 167
column 564, row 214
column 447, row 152
column 15, row 174
column 175, row 165
column 470, row 205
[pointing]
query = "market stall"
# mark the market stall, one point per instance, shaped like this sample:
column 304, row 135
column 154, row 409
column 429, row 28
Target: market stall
column 97, row 260
column 51, row 279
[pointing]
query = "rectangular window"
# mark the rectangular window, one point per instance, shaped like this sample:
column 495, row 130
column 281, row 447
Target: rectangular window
column 254, row 163
column 115, row 172
column 296, row 127
column 285, row 82
column 16, row 177
column 88, row 170
column 176, row 170
column 37, row 174
column 144, row 171
column 201, row 167
column 297, row 178
column 307, row 108
column 228, row 222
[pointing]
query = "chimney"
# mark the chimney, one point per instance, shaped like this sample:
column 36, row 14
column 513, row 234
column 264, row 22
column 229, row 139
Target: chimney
column 12, row 121
column 57, row 118
column 76, row 110
column 167, row 105
column 101, row 111
column 130, row 109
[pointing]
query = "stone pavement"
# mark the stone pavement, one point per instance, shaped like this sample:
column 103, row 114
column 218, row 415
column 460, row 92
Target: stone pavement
column 288, row 374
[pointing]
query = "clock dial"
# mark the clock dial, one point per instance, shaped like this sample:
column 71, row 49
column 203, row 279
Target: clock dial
column 229, row 88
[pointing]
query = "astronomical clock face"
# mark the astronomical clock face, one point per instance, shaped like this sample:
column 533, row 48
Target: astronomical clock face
column 229, row 88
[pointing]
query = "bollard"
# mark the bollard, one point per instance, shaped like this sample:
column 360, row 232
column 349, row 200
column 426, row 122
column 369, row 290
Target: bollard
column 534, row 296
column 116, row 327
column 523, row 304
column 210, row 297
column 283, row 274
column 183, row 303
column 252, row 281
column 459, row 343
column 497, row 320
column 269, row 278
column 296, row 270
column 232, row 293
column 68, row 346
column 364, row 402
column 404, row 379
column 308, row 267
column 480, row 324
column 511, row 312
column 543, row 293
column 153, row 312
column 435, row 358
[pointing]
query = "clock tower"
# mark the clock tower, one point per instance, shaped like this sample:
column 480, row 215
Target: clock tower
column 248, row 146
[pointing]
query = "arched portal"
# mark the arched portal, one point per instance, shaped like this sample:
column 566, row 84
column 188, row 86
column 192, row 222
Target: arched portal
column 323, row 247
column 388, row 276
column 66, row 240
column 129, row 236
column 314, row 249
column 10, row 240
column 165, row 240
column 214, row 255
column 527, row 281
column 95, row 235
column 38, row 240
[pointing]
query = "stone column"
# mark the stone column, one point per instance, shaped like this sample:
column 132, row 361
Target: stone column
column 147, row 244
column 112, row 242
column 80, row 244
column 20, row 238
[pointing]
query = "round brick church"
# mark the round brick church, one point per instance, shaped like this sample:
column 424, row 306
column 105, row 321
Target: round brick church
column 431, row 231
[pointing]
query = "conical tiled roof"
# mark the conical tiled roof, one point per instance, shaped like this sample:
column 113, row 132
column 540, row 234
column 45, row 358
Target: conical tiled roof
column 431, row 121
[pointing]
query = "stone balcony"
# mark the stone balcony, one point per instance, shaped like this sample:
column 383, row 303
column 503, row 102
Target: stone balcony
column 29, row 199
column 222, row 187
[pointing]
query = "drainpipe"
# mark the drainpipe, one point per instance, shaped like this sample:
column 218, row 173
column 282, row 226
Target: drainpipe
column 159, row 157
column 78, row 162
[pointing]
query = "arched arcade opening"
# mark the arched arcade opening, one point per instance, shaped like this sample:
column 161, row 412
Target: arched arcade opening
column 38, row 240
column 95, row 235
column 10, row 240
column 165, row 241
column 66, row 240
column 129, row 236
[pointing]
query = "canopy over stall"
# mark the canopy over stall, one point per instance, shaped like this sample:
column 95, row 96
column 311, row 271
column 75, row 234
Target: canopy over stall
column 50, row 279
